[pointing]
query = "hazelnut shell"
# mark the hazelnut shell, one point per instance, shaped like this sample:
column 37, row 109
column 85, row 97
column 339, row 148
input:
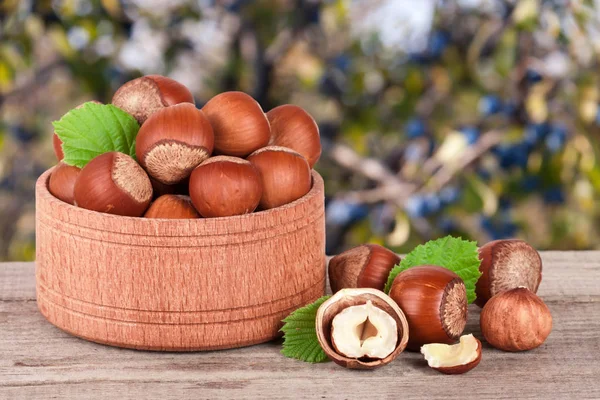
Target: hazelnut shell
column 239, row 124
column 113, row 183
column 515, row 320
column 62, row 182
column 507, row 264
column 284, row 173
column 434, row 300
column 293, row 127
column 352, row 297
column 223, row 186
column 174, row 141
column 172, row 206
column 367, row 265
column 144, row 96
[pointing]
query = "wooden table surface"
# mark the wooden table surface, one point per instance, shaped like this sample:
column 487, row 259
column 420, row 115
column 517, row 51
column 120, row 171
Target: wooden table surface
column 38, row 360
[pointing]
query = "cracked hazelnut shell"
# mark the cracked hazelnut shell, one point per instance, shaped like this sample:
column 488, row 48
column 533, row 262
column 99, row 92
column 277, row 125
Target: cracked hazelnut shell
column 367, row 265
column 284, row 173
column 434, row 300
column 113, row 183
column 144, row 96
column 515, row 320
column 507, row 264
column 239, row 124
column 174, row 141
column 223, row 186
column 293, row 127
column 346, row 298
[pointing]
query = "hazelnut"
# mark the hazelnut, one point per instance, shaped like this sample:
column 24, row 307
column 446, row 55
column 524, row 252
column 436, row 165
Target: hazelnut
column 144, row 96
column 434, row 300
column 453, row 359
column 294, row 128
column 223, row 186
column 515, row 320
column 113, row 183
column 172, row 206
column 57, row 143
column 367, row 265
column 62, row 182
column 239, row 124
column 507, row 264
column 174, row 141
column 285, row 175
column 361, row 328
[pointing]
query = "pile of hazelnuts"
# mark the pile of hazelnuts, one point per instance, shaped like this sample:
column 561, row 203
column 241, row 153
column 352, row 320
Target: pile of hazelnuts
column 228, row 158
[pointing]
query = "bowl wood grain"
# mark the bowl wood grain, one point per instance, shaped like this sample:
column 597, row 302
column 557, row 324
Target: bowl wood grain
column 177, row 285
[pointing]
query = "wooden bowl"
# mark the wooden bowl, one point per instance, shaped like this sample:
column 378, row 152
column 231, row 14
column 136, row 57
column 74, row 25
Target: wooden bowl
column 177, row 285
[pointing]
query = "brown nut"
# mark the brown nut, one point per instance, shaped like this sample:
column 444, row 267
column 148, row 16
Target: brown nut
column 239, row 124
column 367, row 265
column 144, row 96
column 434, row 300
column 507, row 264
column 113, row 183
column 294, row 128
column 516, row 320
column 173, row 142
column 172, row 206
column 361, row 328
column 453, row 359
column 62, row 182
column 285, row 175
column 223, row 186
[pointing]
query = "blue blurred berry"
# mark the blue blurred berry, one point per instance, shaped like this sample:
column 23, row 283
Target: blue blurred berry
column 556, row 139
column 530, row 183
column 416, row 206
column 510, row 109
column 449, row 195
column 414, row 128
column 342, row 212
column 554, row 195
column 532, row 76
column 382, row 219
column 489, row 105
column 22, row 134
column 471, row 133
column 504, row 203
column 446, row 225
column 438, row 42
column 342, row 62
column 433, row 203
column 535, row 133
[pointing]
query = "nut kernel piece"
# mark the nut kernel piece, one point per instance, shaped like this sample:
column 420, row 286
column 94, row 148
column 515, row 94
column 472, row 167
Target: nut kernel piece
column 453, row 359
column 364, row 330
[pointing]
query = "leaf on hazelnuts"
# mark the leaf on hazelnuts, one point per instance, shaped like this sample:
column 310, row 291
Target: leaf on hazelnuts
column 300, row 334
column 458, row 255
column 94, row 129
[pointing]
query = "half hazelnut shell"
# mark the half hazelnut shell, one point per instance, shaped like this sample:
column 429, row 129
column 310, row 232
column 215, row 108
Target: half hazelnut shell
column 346, row 298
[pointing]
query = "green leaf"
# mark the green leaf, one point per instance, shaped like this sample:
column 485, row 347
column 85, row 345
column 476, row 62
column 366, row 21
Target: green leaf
column 300, row 334
column 456, row 254
column 94, row 129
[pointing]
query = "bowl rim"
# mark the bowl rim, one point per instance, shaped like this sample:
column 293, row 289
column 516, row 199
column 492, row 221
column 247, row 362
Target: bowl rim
column 71, row 214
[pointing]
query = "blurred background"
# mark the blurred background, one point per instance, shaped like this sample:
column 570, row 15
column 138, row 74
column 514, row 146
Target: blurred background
column 476, row 118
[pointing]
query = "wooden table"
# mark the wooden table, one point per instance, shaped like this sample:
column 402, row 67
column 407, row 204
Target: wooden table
column 38, row 360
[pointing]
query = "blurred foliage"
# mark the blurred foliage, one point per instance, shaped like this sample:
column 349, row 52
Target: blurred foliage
column 408, row 90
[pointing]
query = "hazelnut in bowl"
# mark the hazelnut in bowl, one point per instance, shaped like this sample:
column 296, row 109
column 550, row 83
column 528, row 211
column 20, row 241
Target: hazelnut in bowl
column 183, row 273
